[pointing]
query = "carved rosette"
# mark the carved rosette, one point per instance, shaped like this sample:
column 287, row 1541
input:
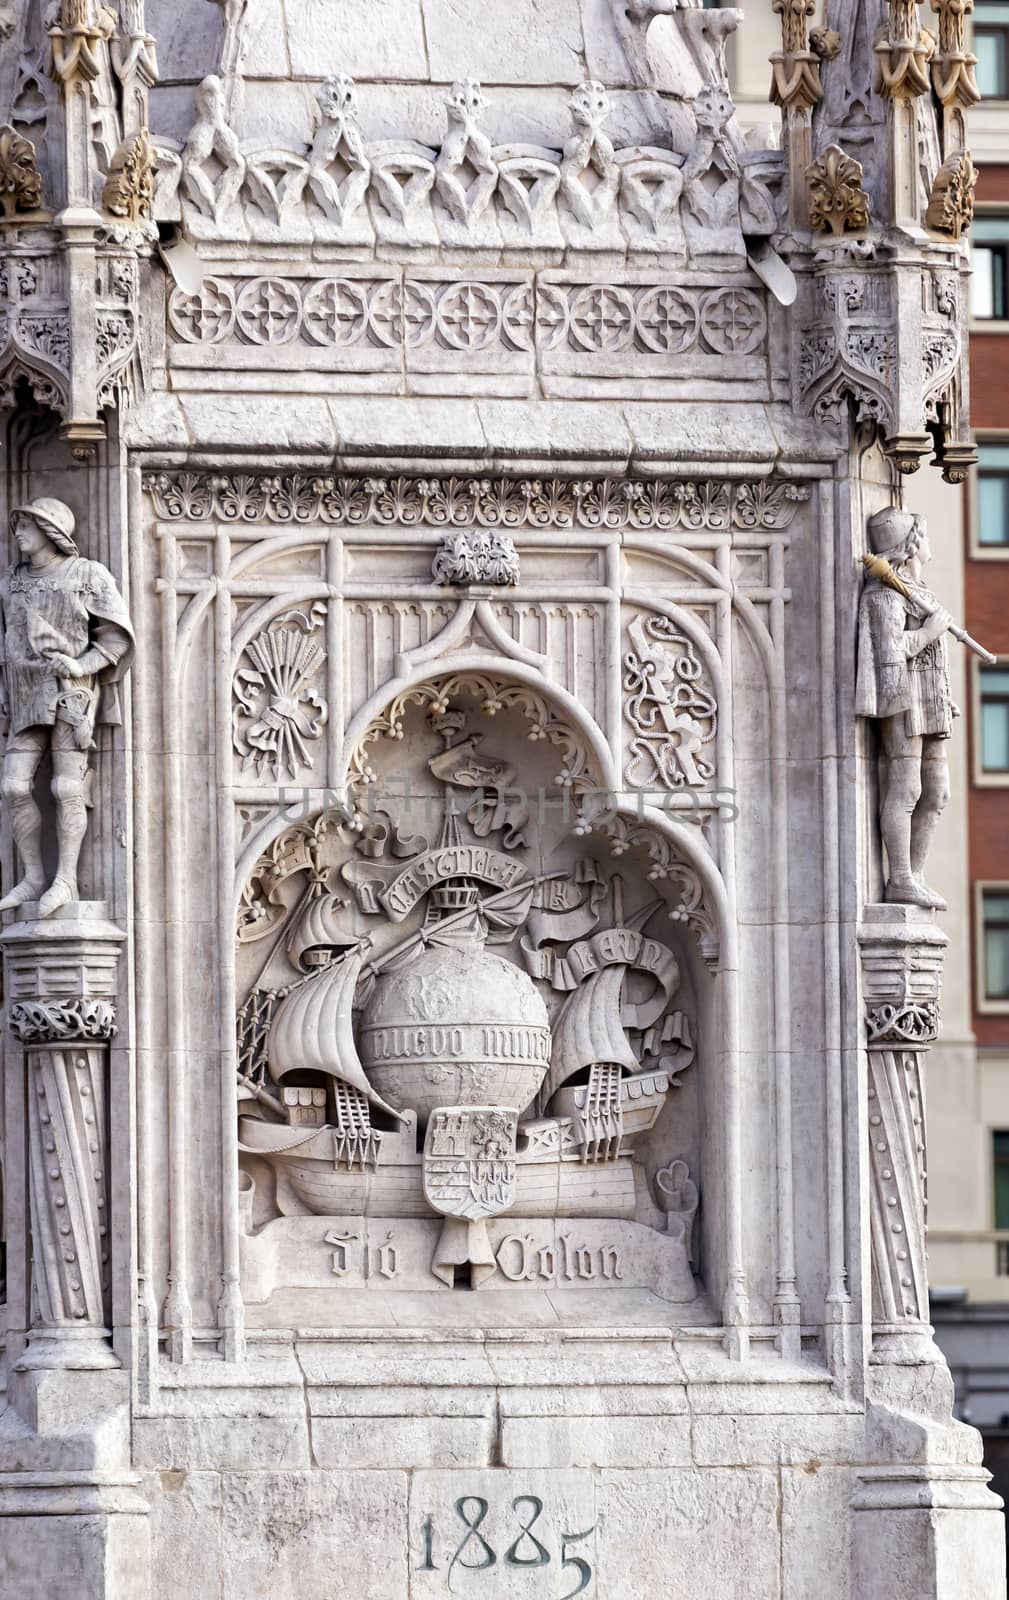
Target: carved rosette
column 902, row 953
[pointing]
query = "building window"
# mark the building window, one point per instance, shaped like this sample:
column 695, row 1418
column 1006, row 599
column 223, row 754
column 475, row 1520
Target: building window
column 991, row 45
column 1000, row 1179
column 995, row 934
column 989, row 284
column 994, row 719
column 993, row 494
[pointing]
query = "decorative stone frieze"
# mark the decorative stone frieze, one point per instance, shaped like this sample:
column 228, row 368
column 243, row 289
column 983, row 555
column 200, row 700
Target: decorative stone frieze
column 470, row 193
column 487, row 502
column 52, row 1021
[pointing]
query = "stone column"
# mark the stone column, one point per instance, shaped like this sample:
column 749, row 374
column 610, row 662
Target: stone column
column 60, row 983
column 902, row 953
column 926, row 1525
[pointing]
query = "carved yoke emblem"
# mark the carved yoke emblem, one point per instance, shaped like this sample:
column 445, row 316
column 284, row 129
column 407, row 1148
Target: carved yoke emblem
column 469, row 1161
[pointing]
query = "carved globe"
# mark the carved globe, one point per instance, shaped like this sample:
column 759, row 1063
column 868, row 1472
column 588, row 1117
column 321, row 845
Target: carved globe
column 457, row 1026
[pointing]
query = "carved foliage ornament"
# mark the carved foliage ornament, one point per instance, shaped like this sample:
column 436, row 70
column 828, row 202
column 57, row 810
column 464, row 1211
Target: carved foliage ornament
column 20, row 184
column 54, row 1021
column 278, row 713
column 837, row 201
column 616, row 503
column 476, row 557
column 494, row 695
column 129, row 187
column 904, row 1022
column 951, row 203
column 669, row 706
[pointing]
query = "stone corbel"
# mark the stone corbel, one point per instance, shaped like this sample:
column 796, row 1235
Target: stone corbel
column 60, row 980
column 866, row 339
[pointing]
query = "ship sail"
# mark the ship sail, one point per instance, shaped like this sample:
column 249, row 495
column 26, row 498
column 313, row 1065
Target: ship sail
column 589, row 1030
column 313, row 1029
column 317, row 930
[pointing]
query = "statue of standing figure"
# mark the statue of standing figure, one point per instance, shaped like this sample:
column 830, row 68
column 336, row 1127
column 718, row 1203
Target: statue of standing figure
column 66, row 641
column 903, row 683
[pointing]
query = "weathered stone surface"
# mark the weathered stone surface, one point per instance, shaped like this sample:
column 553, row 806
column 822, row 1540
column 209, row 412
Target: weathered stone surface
column 467, row 1138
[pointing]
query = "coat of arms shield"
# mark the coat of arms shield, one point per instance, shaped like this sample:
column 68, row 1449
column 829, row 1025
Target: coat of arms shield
column 469, row 1161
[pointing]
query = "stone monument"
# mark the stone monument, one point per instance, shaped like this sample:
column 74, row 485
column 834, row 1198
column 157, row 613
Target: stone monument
column 463, row 1124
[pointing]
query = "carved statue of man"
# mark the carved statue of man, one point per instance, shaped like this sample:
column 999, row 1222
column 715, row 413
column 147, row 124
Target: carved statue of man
column 66, row 641
column 903, row 683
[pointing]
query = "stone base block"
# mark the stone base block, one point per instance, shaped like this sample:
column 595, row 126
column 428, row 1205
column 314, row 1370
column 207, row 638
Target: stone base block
column 534, row 1533
column 97, row 1557
column 928, row 1536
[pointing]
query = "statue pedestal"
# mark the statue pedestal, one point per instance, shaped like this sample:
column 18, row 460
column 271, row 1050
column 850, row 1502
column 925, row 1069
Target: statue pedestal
column 60, row 984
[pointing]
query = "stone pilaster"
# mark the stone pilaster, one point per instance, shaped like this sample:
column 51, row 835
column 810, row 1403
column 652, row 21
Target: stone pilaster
column 901, row 954
column 60, row 982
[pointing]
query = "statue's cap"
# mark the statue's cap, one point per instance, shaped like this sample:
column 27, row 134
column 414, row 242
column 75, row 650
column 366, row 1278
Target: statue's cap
column 894, row 532
column 55, row 518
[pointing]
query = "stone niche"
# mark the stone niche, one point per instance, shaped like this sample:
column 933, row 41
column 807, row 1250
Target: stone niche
column 483, row 980
column 470, row 1025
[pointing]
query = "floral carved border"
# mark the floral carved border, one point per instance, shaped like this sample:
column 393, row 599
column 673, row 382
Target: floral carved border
column 613, row 503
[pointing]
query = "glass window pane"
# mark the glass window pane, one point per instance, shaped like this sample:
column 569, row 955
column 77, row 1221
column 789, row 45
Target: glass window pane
column 1001, row 1208
column 996, row 963
column 996, row 906
column 992, row 456
column 994, row 681
column 995, row 737
column 993, row 509
column 991, row 62
column 982, row 283
column 991, row 227
column 987, row 12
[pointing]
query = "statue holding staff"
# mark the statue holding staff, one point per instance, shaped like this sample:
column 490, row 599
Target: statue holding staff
column 66, row 641
column 903, row 684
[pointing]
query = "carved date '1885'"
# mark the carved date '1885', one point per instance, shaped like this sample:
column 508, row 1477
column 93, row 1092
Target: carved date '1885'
column 475, row 1553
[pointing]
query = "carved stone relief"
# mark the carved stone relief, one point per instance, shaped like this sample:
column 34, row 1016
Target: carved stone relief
column 470, row 193
column 278, row 710
column 484, row 502
column 526, row 1024
column 20, row 183
column 669, row 705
